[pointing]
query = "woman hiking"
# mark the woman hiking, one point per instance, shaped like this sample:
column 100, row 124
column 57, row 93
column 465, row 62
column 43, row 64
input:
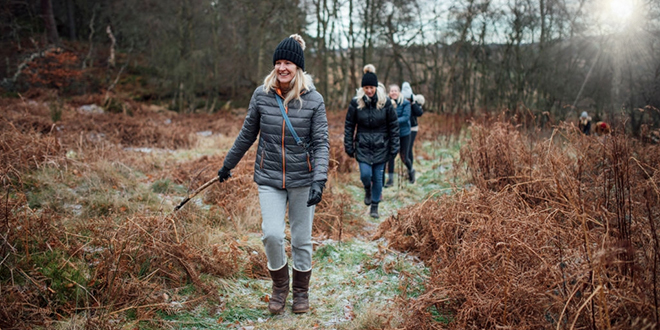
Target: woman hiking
column 371, row 135
column 289, row 173
column 403, row 117
column 416, row 103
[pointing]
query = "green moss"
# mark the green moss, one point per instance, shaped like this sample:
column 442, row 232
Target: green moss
column 99, row 205
column 235, row 313
column 65, row 277
column 166, row 186
column 47, row 188
column 187, row 290
column 324, row 252
column 131, row 314
column 439, row 316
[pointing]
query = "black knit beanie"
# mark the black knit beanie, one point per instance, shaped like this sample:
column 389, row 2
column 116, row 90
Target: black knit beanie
column 289, row 49
column 369, row 78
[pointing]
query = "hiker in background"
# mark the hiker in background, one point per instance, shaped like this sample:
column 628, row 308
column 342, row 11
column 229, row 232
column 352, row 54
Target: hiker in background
column 585, row 123
column 286, row 171
column 602, row 128
column 416, row 103
column 371, row 135
column 403, row 118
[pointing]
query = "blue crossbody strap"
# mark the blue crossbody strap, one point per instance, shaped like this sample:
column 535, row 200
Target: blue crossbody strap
column 288, row 122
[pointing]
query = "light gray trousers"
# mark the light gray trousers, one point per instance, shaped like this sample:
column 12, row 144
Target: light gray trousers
column 273, row 203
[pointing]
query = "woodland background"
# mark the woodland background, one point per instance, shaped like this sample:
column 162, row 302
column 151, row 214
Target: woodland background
column 113, row 111
column 545, row 59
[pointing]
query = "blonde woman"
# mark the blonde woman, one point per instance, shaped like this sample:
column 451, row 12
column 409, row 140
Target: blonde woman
column 289, row 174
column 371, row 135
column 403, row 114
column 416, row 103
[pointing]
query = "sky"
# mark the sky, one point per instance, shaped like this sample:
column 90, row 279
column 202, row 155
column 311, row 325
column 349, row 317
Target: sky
column 600, row 17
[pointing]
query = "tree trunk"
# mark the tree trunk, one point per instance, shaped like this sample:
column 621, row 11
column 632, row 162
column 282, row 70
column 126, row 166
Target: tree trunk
column 71, row 18
column 49, row 22
column 351, row 33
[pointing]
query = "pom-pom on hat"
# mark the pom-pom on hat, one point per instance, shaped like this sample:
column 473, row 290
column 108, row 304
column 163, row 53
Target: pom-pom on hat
column 291, row 49
column 406, row 90
column 419, row 98
column 369, row 78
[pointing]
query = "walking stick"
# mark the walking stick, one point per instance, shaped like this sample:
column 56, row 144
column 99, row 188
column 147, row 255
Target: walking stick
column 194, row 193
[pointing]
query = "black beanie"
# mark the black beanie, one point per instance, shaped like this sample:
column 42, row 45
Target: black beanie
column 369, row 78
column 289, row 49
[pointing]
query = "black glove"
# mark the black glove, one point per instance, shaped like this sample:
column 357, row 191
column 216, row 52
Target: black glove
column 224, row 174
column 351, row 153
column 315, row 193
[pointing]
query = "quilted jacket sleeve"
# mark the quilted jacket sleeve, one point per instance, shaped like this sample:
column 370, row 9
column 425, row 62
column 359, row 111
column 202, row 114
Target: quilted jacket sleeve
column 349, row 128
column 246, row 137
column 320, row 142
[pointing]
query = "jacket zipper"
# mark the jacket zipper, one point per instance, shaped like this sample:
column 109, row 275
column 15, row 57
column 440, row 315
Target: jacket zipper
column 286, row 109
column 283, row 156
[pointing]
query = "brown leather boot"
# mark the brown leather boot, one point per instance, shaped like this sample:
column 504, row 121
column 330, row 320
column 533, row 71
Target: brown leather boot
column 280, row 290
column 300, row 291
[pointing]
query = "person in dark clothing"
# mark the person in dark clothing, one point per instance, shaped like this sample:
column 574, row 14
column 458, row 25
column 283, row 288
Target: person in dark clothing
column 416, row 110
column 288, row 173
column 403, row 118
column 585, row 123
column 371, row 135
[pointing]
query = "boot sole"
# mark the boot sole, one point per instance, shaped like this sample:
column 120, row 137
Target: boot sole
column 272, row 312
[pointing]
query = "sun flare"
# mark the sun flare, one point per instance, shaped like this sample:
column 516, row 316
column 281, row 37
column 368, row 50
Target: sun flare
column 621, row 9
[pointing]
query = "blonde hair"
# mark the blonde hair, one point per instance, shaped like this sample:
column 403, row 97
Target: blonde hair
column 399, row 100
column 301, row 80
column 380, row 85
column 382, row 98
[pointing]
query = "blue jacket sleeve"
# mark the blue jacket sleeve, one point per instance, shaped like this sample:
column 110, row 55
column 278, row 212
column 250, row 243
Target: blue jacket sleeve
column 405, row 115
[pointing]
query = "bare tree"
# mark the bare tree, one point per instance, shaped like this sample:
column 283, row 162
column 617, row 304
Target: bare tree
column 52, row 37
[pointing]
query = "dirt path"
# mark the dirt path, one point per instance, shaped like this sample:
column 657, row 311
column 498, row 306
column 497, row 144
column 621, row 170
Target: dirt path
column 354, row 282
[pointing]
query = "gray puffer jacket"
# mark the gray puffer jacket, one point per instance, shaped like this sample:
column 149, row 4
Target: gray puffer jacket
column 280, row 162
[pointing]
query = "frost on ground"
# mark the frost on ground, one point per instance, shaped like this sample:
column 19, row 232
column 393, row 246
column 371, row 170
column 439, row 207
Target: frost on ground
column 350, row 279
